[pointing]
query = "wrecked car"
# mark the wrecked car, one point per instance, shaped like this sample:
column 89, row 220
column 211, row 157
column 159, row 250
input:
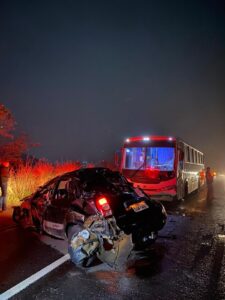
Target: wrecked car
column 92, row 208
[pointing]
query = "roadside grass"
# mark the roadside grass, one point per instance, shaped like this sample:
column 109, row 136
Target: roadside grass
column 28, row 177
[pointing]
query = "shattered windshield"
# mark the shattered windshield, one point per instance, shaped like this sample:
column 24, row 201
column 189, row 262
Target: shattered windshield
column 160, row 158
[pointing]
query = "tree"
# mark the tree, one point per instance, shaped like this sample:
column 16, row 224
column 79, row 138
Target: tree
column 11, row 146
column 7, row 122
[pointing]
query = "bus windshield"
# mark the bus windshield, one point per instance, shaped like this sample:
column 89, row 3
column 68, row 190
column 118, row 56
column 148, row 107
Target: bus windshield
column 160, row 158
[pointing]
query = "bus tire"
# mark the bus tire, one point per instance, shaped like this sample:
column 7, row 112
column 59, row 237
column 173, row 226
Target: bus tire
column 199, row 185
column 175, row 199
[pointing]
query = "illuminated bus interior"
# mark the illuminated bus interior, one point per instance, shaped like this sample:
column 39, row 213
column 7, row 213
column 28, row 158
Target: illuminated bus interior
column 159, row 158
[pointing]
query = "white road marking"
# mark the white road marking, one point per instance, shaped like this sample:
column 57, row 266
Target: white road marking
column 33, row 278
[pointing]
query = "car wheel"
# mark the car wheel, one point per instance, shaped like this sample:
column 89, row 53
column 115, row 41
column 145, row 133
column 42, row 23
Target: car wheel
column 73, row 229
column 16, row 214
column 77, row 257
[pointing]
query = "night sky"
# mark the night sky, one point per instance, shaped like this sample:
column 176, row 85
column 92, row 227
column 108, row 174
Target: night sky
column 80, row 76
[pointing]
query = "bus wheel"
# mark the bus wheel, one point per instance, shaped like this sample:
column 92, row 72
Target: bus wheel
column 199, row 185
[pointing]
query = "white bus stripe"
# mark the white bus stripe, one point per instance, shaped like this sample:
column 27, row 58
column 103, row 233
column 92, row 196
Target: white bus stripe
column 25, row 283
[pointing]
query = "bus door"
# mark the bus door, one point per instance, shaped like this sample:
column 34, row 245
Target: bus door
column 180, row 175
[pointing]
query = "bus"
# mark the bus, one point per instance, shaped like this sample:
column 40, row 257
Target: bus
column 166, row 168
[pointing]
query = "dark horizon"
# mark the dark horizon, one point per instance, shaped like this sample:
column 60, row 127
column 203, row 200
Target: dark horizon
column 80, row 77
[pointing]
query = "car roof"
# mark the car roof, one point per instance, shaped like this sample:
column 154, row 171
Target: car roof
column 85, row 173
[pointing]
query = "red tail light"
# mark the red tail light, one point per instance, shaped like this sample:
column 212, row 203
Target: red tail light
column 103, row 206
column 102, row 201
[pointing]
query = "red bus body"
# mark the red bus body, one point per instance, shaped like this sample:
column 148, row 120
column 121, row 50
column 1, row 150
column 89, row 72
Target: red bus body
column 166, row 168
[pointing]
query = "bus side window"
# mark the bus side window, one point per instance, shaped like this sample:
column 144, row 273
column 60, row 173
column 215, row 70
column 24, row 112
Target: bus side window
column 192, row 155
column 188, row 154
column 181, row 155
column 185, row 154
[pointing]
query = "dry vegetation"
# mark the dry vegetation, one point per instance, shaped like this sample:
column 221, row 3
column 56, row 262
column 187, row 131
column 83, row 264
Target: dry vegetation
column 28, row 177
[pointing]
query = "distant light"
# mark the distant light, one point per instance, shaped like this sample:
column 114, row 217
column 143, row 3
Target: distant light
column 170, row 138
column 127, row 140
column 221, row 237
column 146, row 138
column 128, row 150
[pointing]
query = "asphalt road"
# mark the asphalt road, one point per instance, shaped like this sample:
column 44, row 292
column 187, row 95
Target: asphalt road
column 186, row 262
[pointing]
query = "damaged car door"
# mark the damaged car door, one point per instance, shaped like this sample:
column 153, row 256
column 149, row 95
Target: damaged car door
column 35, row 208
column 55, row 215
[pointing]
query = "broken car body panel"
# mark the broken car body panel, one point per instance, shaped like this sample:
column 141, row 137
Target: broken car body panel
column 76, row 196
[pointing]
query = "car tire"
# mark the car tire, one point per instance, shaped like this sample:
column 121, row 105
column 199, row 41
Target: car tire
column 16, row 214
column 73, row 229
